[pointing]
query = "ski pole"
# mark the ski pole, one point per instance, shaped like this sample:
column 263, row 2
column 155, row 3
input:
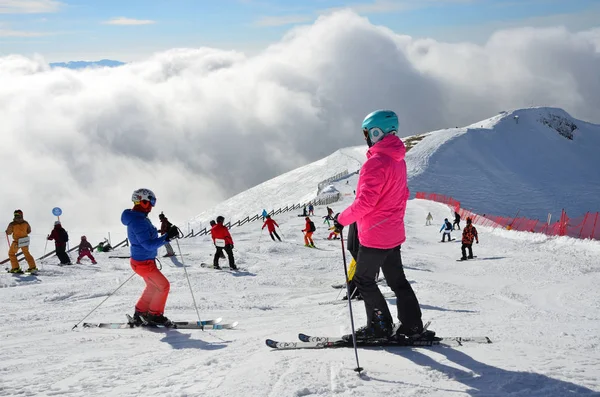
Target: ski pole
column 190, row 284
column 358, row 367
column 261, row 234
column 100, row 304
column 282, row 236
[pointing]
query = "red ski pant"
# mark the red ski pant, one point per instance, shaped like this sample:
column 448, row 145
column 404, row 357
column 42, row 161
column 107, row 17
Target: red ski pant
column 85, row 253
column 154, row 297
column 308, row 238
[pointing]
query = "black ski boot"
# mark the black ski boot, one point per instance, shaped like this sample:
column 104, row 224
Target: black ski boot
column 415, row 332
column 380, row 328
column 158, row 319
column 137, row 318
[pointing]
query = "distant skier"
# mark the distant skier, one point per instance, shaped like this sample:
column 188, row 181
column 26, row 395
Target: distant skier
column 270, row 224
column 165, row 225
column 456, row 221
column 469, row 234
column 378, row 210
column 144, row 244
column 85, row 249
column 311, row 210
column 104, row 246
column 304, row 212
column 308, row 230
column 223, row 241
column 446, row 228
column 335, row 234
column 264, row 214
column 20, row 230
column 428, row 219
column 60, row 237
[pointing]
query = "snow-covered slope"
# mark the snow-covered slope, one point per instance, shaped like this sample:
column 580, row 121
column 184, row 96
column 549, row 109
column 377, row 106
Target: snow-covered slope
column 514, row 161
column 294, row 187
column 536, row 297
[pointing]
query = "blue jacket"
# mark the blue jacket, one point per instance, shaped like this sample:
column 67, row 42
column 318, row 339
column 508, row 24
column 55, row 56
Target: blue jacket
column 142, row 235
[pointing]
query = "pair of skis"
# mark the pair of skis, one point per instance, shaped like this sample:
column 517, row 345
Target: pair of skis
column 207, row 324
column 328, row 342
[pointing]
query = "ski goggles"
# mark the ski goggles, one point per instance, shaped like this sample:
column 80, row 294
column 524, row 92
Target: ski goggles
column 151, row 202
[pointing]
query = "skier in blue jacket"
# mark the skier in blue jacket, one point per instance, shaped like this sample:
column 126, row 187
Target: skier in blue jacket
column 144, row 244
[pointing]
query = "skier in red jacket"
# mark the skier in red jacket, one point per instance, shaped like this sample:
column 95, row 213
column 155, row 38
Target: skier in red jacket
column 223, row 242
column 270, row 224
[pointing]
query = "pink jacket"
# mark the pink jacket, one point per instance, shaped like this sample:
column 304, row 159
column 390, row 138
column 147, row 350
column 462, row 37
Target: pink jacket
column 381, row 196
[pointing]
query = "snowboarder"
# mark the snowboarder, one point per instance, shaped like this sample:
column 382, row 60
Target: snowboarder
column 270, row 224
column 378, row 210
column 60, row 237
column 308, row 230
column 20, row 230
column 223, row 241
column 144, row 244
column 311, row 210
column 428, row 219
column 221, row 254
column 165, row 225
column 456, row 221
column 85, row 249
column 304, row 213
column 447, row 228
column 469, row 234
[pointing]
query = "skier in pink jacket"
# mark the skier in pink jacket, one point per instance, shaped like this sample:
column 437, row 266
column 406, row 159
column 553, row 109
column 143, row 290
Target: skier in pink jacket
column 378, row 209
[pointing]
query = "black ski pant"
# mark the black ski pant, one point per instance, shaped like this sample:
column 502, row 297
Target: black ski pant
column 61, row 252
column 370, row 260
column 464, row 249
column 229, row 250
column 276, row 235
column 457, row 223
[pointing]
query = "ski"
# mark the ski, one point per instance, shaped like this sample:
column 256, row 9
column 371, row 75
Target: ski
column 344, row 301
column 207, row 324
column 340, row 286
column 209, row 266
column 338, row 342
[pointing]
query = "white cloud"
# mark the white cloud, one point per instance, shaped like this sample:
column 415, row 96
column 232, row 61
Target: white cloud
column 198, row 125
column 29, row 6
column 128, row 21
column 21, row 33
column 283, row 20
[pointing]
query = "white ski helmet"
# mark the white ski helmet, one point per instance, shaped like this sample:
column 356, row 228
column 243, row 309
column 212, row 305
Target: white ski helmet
column 143, row 194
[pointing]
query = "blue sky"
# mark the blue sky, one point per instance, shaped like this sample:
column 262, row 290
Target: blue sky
column 132, row 29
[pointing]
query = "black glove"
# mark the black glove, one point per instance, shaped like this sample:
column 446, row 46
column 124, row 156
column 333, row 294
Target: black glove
column 172, row 233
column 338, row 226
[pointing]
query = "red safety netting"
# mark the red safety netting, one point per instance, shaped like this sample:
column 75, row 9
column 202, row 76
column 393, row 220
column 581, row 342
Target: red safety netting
column 587, row 226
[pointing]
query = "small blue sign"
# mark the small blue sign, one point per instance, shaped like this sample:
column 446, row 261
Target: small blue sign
column 56, row 211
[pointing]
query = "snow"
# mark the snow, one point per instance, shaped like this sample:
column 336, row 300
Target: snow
column 535, row 296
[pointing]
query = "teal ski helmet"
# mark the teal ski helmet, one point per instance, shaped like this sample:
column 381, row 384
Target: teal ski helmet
column 379, row 124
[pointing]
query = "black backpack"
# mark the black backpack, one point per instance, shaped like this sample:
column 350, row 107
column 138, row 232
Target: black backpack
column 312, row 226
column 64, row 235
